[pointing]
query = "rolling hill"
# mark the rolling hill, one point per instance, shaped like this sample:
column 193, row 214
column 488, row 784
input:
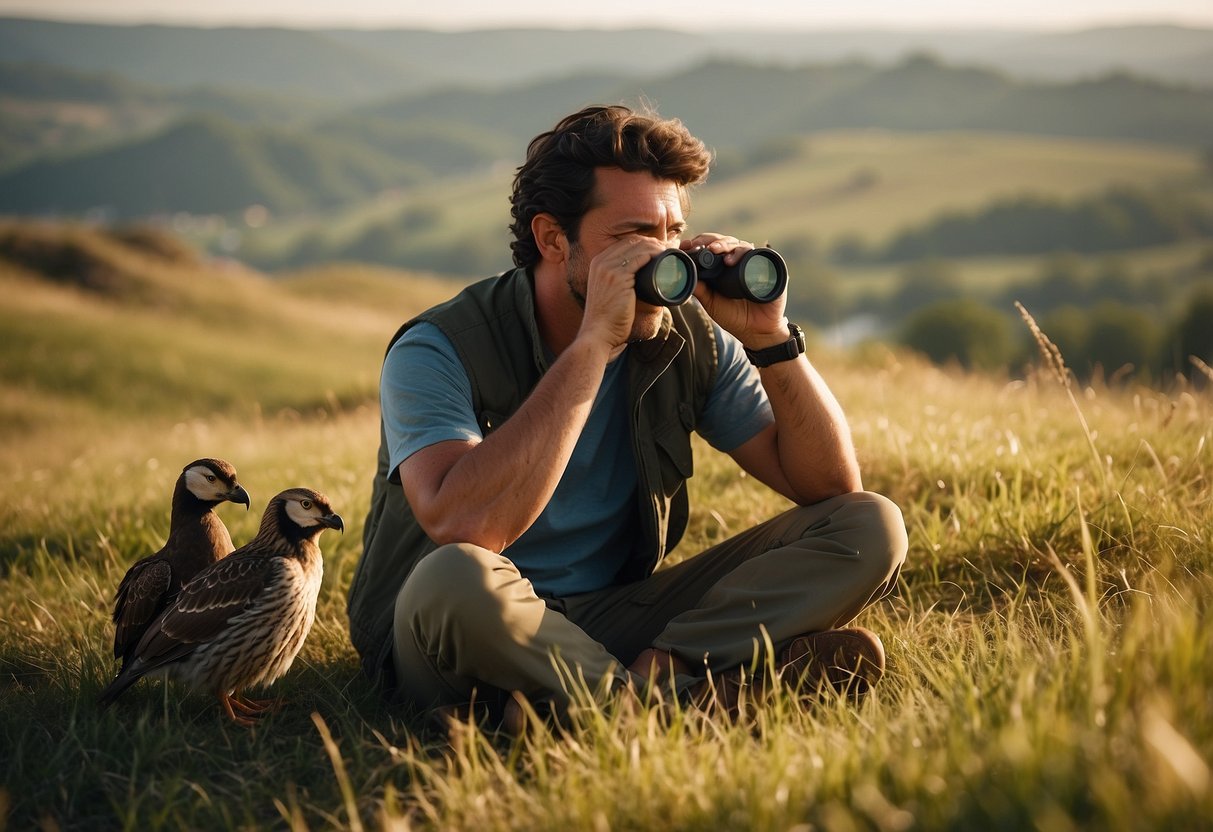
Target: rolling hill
column 922, row 93
column 346, row 64
column 127, row 323
column 290, row 61
column 205, row 166
column 806, row 197
column 47, row 110
column 1166, row 52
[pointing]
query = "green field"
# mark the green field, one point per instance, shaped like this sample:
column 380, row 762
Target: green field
column 1048, row 642
column 866, row 185
column 985, row 276
column 872, row 184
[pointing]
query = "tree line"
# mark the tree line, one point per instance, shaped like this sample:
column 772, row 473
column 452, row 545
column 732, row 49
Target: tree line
column 1116, row 219
column 1112, row 338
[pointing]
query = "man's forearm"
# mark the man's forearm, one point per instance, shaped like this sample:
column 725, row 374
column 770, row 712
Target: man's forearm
column 497, row 489
column 813, row 440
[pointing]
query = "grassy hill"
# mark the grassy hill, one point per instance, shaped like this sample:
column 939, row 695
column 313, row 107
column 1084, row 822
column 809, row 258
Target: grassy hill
column 205, row 165
column 47, row 111
column 127, row 324
column 1048, row 641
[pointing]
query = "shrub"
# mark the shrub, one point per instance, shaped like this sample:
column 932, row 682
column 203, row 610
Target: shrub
column 963, row 330
column 1121, row 335
column 1192, row 333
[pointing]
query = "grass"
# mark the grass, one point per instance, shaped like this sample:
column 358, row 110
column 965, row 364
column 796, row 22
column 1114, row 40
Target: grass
column 1048, row 643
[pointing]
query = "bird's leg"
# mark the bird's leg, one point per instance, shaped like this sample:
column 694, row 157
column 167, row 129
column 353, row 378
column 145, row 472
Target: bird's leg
column 254, row 707
column 241, row 719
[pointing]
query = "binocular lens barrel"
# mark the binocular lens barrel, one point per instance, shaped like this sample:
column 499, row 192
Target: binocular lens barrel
column 759, row 276
column 669, row 278
column 666, row 280
column 762, row 278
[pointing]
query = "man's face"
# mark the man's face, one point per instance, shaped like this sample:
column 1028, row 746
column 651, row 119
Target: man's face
column 626, row 205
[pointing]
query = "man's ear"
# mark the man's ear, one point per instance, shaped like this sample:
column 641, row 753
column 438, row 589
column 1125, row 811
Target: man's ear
column 550, row 239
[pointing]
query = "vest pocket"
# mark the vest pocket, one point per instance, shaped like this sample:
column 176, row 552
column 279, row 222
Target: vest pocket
column 675, row 460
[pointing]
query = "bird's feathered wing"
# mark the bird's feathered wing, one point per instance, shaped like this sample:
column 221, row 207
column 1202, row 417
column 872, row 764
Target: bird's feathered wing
column 143, row 593
column 199, row 615
column 241, row 620
column 205, row 607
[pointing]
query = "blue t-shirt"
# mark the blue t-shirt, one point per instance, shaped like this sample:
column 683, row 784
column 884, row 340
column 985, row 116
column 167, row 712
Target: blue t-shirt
column 585, row 534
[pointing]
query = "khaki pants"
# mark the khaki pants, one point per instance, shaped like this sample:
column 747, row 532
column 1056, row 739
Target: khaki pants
column 467, row 619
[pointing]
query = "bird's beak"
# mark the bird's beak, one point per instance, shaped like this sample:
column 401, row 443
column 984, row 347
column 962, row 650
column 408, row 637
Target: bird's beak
column 333, row 521
column 239, row 495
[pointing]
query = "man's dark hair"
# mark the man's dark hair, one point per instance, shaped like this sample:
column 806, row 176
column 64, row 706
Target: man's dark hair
column 558, row 175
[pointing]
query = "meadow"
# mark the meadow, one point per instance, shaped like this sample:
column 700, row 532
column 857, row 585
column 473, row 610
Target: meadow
column 1048, row 642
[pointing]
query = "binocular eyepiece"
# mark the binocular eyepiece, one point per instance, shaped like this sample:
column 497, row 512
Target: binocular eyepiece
column 669, row 278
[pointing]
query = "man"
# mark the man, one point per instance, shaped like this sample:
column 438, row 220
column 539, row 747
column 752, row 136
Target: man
column 535, row 447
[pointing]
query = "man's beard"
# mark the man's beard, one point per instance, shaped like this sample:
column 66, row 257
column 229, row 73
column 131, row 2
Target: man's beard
column 645, row 324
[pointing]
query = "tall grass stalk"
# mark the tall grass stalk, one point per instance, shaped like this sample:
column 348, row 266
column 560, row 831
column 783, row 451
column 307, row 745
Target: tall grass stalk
column 1056, row 364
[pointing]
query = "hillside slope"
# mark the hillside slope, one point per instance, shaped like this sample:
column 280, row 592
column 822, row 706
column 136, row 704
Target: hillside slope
column 205, row 165
column 102, row 326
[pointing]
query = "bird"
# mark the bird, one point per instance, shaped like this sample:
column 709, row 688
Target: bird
column 196, row 539
column 242, row 620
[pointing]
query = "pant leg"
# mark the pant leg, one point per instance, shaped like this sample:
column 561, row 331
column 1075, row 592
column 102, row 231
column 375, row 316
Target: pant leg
column 811, row 568
column 466, row 618
column 816, row 569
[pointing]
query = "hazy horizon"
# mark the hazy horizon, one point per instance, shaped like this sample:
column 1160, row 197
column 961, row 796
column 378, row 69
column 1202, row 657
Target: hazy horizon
column 624, row 14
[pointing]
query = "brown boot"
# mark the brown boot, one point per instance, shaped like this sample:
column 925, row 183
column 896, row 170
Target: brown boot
column 850, row 661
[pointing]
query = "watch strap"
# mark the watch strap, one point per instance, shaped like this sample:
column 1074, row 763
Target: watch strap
column 790, row 349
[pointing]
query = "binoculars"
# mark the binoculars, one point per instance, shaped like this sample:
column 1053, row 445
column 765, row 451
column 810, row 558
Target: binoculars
column 669, row 278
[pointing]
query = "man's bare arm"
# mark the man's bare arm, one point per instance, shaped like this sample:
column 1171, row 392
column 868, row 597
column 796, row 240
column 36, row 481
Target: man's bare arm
column 807, row 455
column 489, row 492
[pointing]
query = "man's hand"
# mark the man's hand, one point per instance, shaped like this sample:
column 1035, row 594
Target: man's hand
column 756, row 325
column 610, row 290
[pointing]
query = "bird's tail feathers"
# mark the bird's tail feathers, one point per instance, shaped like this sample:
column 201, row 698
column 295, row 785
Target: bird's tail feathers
column 115, row 688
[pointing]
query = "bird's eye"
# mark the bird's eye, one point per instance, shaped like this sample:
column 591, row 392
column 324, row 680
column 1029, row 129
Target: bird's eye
column 306, row 504
column 210, row 477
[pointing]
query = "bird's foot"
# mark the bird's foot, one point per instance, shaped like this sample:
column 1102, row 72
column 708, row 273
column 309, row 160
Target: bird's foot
column 255, row 707
column 229, row 707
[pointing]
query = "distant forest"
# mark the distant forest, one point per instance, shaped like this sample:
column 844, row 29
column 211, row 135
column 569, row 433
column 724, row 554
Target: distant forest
column 1119, row 219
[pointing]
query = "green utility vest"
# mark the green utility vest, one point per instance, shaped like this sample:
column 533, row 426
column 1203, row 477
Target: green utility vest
column 492, row 326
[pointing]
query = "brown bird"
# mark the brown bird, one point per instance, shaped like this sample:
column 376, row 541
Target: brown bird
column 196, row 539
column 240, row 622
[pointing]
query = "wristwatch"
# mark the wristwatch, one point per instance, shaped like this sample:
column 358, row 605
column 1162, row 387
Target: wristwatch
column 788, row 350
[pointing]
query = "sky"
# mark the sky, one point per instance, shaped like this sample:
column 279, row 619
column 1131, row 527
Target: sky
column 681, row 14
